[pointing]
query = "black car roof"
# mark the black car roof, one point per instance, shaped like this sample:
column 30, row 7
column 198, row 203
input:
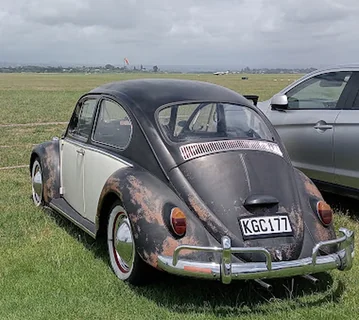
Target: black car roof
column 149, row 94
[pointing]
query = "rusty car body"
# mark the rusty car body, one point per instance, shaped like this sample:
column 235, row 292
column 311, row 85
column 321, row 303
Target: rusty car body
column 189, row 178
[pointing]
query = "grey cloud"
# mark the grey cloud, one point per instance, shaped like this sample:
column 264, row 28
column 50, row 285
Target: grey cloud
column 248, row 32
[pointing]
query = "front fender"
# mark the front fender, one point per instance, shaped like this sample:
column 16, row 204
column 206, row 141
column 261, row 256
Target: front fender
column 148, row 202
column 49, row 155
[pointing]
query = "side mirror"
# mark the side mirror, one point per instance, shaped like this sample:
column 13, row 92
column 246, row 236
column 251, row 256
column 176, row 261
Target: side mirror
column 279, row 102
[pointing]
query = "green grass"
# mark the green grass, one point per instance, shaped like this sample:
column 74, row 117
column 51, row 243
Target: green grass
column 16, row 143
column 49, row 269
column 29, row 134
column 38, row 98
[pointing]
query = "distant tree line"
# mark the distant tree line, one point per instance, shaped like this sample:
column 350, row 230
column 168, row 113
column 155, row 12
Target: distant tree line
column 276, row 70
column 108, row 68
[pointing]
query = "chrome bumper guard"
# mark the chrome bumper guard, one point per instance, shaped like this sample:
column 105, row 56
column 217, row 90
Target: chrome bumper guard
column 226, row 271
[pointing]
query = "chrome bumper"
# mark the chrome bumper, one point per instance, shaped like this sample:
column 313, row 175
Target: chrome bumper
column 226, row 271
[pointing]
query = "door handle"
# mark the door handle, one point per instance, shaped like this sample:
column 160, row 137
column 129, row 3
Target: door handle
column 323, row 126
column 81, row 151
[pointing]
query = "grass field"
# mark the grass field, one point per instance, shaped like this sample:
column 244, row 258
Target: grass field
column 50, row 269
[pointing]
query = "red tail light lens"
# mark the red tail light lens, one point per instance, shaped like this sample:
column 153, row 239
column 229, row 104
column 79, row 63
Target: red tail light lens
column 325, row 213
column 178, row 221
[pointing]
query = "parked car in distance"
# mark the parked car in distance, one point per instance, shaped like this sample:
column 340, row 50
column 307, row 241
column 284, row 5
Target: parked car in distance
column 189, row 178
column 317, row 118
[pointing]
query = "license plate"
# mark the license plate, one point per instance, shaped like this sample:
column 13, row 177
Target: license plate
column 256, row 227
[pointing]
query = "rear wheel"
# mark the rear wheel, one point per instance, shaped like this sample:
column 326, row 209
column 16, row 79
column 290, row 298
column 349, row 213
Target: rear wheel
column 125, row 261
column 37, row 183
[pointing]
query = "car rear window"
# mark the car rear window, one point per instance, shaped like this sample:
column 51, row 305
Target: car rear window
column 207, row 120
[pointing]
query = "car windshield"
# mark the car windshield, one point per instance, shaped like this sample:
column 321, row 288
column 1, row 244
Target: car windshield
column 209, row 120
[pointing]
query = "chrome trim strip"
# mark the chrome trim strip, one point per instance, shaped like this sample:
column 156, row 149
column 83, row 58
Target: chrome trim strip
column 193, row 150
column 57, row 209
column 92, row 148
column 226, row 271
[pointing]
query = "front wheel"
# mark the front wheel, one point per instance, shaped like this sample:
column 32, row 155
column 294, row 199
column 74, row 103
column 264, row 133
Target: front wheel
column 37, row 183
column 125, row 261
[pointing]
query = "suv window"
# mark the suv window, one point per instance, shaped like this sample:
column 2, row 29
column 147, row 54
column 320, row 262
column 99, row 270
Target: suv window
column 320, row 92
column 113, row 127
column 81, row 122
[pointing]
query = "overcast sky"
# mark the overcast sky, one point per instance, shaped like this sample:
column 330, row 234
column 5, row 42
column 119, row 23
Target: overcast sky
column 254, row 33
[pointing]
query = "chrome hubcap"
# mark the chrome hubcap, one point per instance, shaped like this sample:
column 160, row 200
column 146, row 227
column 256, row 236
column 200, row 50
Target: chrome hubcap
column 37, row 183
column 123, row 243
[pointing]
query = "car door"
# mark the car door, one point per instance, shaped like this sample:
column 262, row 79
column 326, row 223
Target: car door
column 307, row 126
column 346, row 142
column 111, row 136
column 73, row 153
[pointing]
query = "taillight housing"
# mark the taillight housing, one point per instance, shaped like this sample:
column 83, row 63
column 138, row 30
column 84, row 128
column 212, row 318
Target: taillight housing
column 178, row 221
column 325, row 213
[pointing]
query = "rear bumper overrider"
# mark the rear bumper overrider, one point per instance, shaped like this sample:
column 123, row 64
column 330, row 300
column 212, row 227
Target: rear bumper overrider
column 226, row 271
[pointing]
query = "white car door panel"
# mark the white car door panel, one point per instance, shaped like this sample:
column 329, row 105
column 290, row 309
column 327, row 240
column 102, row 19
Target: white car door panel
column 73, row 153
column 72, row 174
column 98, row 168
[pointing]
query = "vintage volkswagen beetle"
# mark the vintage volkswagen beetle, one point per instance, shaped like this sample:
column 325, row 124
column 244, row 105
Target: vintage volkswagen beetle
column 190, row 178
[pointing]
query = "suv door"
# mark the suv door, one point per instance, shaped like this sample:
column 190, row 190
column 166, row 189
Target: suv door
column 346, row 145
column 306, row 127
column 73, row 153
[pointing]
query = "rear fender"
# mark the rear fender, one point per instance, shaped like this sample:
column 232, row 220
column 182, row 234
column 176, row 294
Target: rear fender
column 148, row 203
column 49, row 155
column 314, row 230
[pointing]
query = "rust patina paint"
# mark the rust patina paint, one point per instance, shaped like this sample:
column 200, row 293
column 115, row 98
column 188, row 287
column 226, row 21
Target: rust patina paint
column 50, row 163
column 310, row 187
column 149, row 206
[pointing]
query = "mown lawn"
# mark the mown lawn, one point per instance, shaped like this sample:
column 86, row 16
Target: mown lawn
column 49, row 269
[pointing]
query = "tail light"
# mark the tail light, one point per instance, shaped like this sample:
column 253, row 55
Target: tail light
column 325, row 213
column 178, row 221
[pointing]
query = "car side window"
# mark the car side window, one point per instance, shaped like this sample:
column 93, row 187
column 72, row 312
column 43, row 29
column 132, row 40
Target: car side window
column 319, row 92
column 113, row 126
column 81, row 122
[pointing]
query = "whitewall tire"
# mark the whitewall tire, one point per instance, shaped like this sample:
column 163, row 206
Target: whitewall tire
column 125, row 261
column 37, row 183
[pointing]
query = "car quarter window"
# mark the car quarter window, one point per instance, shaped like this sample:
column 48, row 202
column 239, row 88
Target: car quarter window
column 81, row 122
column 319, row 92
column 113, row 126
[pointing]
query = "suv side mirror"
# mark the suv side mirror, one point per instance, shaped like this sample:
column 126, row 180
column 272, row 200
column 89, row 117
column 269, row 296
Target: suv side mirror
column 279, row 102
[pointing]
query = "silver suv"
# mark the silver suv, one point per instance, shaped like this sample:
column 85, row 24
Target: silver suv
column 317, row 118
